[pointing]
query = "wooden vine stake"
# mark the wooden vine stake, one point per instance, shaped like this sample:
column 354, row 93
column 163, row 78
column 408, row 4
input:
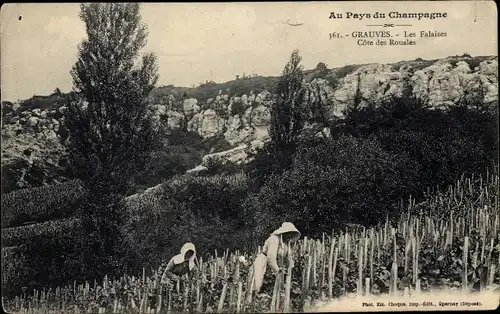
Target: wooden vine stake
column 240, row 293
column 394, row 271
column 288, row 285
column 464, row 263
column 330, row 269
column 359, row 288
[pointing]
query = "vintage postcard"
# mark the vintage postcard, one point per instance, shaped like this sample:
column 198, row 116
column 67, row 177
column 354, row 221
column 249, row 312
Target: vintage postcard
column 250, row 157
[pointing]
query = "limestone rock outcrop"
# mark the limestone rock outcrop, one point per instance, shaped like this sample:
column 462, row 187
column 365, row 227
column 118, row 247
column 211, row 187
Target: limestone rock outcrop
column 32, row 135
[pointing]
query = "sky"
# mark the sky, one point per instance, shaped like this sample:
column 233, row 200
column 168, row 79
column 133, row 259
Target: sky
column 195, row 42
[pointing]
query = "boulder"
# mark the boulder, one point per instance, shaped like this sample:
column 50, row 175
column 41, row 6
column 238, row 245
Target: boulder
column 372, row 81
column 236, row 155
column 194, row 125
column 190, row 107
column 198, row 169
column 33, row 121
column 211, row 124
column 175, row 120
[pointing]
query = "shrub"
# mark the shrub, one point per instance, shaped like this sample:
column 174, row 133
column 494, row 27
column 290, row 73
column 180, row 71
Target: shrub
column 23, row 235
column 445, row 143
column 44, row 254
column 237, row 108
column 7, row 108
column 359, row 254
column 221, row 167
column 332, row 183
column 41, row 203
column 207, row 210
column 215, row 144
column 343, row 71
column 164, row 164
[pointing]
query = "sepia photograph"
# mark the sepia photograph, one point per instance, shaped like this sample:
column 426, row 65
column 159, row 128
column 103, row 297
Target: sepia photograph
column 253, row 157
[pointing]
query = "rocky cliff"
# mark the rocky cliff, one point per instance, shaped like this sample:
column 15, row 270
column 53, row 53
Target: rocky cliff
column 30, row 135
column 245, row 118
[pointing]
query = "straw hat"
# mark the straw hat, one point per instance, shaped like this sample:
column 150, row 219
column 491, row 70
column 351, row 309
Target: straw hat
column 179, row 258
column 287, row 227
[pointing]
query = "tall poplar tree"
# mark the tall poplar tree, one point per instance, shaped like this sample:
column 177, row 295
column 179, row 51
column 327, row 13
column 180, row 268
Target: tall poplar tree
column 111, row 133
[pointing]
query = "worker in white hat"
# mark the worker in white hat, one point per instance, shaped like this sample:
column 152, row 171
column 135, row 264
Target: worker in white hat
column 274, row 246
column 181, row 264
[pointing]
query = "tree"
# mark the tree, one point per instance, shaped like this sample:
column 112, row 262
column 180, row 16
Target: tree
column 287, row 118
column 111, row 133
column 322, row 68
column 335, row 182
column 57, row 92
column 288, row 115
column 446, row 143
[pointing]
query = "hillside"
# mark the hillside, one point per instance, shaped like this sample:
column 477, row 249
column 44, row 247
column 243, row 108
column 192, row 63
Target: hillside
column 446, row 243
column 236, row 113
column 208, row 184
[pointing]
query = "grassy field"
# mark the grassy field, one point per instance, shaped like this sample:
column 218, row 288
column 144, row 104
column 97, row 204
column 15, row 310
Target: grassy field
column 449, row 242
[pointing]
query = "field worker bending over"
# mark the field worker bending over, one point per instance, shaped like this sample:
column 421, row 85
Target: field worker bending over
column 275, row 247
column 180, row 264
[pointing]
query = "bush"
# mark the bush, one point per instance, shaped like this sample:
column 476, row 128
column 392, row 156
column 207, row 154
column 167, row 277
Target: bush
column 42, row 102
column 445, row 143
column 215, row 144
column 237, row 108
column 164, row 164
column 19, row 173
column 41, row 203
column 332, row 183
column 345, row 70
column 221, row 167
column 23, row 235
column 45, row 254
column 205, row 210
column 181, row 152
column 7, row 108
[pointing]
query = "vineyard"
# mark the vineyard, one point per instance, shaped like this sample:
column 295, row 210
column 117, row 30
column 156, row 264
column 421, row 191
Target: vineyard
column 40, row 204
column 450, row 242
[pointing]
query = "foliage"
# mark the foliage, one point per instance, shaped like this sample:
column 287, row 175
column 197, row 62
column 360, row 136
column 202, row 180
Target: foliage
column 112, row 136
column 41, row 203
column 207, row 83
column 332, row 183
column 321, row 67
column 445, row 143
column 166, row 163
column 202, row 93
column 56, row 261
column 345, row 70
column 42, row 102
column 215, row 144
column 111, row 131
column 207, row 210
column 237, row 108
column 426, row 248
column 7, row 108
column 288, row 115
column 21, row 173
column 287, row 119
column 56, row 92
column 321, row 71
column 25, row 234
column 180, row 152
